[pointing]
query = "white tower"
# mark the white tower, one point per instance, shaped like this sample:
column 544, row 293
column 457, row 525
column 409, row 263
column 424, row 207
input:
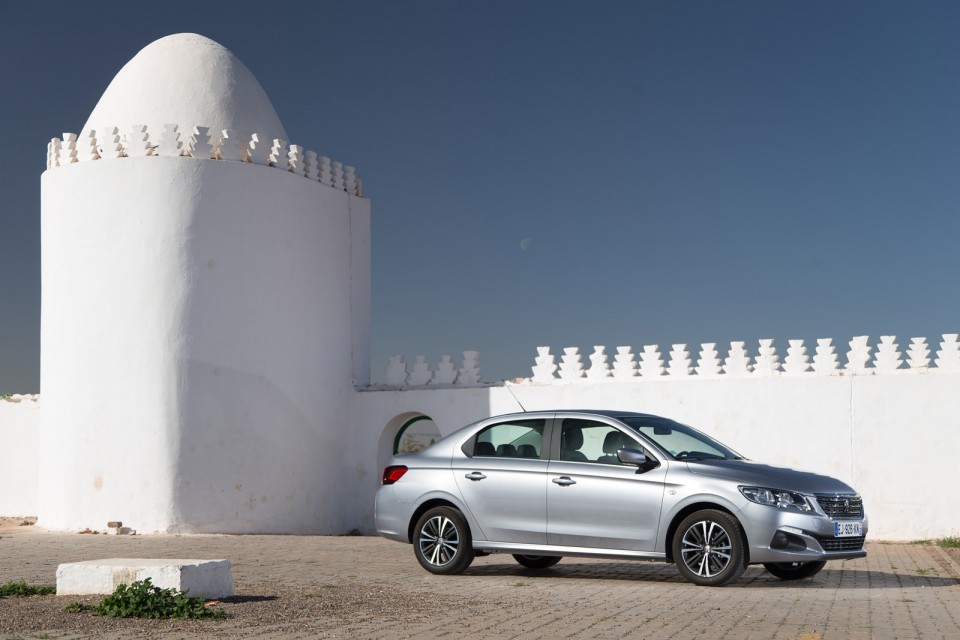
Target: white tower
column 203, row 320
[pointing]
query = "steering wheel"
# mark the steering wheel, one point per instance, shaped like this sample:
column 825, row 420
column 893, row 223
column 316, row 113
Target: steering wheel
column 682, row 455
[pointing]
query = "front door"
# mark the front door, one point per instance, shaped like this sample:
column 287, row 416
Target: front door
column 595, row 501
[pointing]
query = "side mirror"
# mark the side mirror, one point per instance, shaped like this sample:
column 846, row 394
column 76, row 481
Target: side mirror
column 638, row 459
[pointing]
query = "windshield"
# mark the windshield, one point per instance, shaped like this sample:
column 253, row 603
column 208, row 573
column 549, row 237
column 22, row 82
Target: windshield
column 679, row 440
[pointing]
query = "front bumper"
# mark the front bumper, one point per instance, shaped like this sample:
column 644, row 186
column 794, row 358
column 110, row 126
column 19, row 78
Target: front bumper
column 776, row 535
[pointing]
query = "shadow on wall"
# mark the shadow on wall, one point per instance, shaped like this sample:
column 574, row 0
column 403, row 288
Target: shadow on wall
column 250, row 461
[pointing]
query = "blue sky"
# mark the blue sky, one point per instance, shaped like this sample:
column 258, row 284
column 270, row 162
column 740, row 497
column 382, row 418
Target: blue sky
column 681, row 171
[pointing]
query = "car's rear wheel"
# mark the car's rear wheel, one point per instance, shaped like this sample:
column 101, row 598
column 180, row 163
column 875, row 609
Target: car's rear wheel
column 442, row 542
column 709, row 548
column 794, row 570
column 536, row 562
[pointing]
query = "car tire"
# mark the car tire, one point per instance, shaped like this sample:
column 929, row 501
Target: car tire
column 536, row 562
column 794, row 570
column 709, row 548
column 442, row 541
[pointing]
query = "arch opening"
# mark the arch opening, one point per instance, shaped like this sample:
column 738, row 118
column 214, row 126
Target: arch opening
column 415, row 434
column 406, row 433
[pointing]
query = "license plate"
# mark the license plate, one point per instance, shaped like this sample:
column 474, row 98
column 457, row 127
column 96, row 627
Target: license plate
column 847, row 529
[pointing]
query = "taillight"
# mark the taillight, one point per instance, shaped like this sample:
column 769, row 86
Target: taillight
column 392, row 474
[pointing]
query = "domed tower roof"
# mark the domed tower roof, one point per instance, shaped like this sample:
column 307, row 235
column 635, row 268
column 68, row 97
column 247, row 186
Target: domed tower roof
column 188, row 80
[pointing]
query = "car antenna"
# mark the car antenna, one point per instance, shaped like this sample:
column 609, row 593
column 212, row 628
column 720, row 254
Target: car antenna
column 507, row 385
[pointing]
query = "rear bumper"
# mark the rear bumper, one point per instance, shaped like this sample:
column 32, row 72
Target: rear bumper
column 391, row 516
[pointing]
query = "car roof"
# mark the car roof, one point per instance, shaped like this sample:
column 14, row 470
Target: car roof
column 608, row 413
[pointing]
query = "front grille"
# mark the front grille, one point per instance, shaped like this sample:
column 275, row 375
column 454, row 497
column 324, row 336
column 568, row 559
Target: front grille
column 853, row 543
column 842, row 507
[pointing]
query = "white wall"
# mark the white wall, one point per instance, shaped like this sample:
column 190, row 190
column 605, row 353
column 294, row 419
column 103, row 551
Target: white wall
column 196, row 346
column 112, row 255
column 360, row 277
column 890, row 436
column 19, row 430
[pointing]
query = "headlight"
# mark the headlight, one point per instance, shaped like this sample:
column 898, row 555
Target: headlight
column 777, row 498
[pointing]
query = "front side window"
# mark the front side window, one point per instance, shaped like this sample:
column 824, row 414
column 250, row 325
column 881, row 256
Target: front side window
column 515, row 439
column 591, row 441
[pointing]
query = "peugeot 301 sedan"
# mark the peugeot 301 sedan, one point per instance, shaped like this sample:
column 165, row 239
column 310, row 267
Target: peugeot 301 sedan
column 612, row 484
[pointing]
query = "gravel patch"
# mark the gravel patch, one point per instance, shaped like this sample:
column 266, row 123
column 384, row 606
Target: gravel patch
column 269, row 608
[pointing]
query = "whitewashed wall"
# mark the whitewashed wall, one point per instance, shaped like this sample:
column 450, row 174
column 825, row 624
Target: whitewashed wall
column 19, row 430
column 197, row 347
column 892, row 436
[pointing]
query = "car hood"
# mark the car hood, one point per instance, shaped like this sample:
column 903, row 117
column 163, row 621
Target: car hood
column 763, row 475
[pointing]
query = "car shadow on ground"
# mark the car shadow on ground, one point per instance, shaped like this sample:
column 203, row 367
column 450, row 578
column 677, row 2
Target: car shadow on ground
column 829, row 578
column 243, row 599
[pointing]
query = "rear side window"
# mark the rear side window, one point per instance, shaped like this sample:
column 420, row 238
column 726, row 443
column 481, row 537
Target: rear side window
column 515, row 439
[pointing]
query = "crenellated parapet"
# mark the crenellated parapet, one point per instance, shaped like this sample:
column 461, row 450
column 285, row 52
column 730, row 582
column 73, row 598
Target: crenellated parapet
column 861, row 358
column 445, row 374
column 139, row 141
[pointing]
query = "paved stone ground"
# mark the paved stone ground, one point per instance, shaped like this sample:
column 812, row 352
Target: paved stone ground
column 363, row 587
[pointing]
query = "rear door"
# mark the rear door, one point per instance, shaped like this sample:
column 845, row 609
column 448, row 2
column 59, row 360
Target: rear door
column 503, row 481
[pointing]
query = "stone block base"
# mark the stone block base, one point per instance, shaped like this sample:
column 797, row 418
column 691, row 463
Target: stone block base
column 202, row 578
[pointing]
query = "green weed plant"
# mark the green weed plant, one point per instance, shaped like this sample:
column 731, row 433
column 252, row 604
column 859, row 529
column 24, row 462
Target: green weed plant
column 950, row 542
column 21, row 589
column 141, row 599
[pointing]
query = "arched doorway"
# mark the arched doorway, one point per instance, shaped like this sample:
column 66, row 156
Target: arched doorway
column 407, row 431
column 415, row 434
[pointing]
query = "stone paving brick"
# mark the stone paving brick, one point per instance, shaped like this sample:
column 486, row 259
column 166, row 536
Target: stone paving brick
column 897, row 591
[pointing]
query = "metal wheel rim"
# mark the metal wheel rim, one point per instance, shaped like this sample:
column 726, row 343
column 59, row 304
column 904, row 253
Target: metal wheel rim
column 439, row 541
column 706, row 549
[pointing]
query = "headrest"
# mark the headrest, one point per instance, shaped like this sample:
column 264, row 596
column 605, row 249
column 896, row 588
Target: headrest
column 527, row 451
column 613, row 441
column 506, row 451
column 485, row 449
column 572, row 438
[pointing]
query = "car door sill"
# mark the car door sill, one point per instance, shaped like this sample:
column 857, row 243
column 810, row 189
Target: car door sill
column 556, row 550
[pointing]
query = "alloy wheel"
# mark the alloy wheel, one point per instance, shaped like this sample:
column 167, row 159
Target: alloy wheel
column 706, row 548
column 439, row 541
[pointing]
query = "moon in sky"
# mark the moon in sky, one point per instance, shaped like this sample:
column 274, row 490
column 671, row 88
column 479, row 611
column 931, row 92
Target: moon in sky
column 525, row 244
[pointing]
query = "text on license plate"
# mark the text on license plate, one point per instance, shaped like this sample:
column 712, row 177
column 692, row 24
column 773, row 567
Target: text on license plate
column 846, row 529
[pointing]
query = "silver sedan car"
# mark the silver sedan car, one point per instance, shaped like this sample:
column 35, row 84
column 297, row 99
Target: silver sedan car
column 613, row 484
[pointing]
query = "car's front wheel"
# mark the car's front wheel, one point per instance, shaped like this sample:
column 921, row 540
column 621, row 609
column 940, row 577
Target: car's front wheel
column 709, row 548
column 442, row 542
column 536, row 562
column 794, row 570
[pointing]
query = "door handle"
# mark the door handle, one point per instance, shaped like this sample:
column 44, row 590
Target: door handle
column 564, row 481
column 475, row 476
